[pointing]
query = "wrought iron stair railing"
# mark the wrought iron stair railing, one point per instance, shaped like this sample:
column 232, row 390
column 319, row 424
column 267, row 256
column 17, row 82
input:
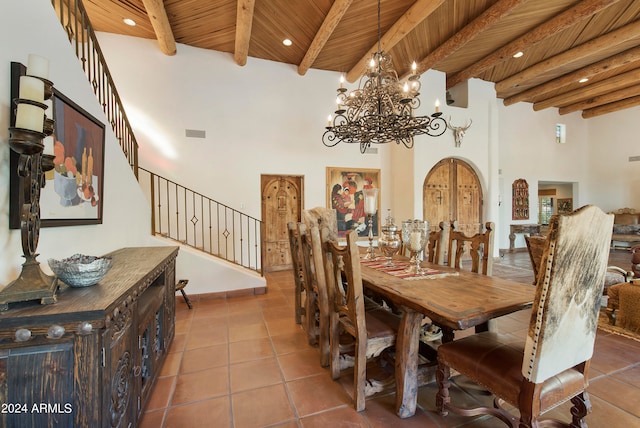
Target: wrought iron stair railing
column 200, row 222
column 75, row 21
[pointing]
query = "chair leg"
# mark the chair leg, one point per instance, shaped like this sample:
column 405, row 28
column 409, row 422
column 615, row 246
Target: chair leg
column 442, row 397
column 581, row 408
column 360, row 377
column 186, row 299
column 180, row 287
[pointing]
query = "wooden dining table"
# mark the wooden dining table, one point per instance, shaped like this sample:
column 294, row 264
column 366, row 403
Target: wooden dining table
column 453, row 300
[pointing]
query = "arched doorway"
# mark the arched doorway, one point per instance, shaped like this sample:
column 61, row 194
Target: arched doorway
column 452, row 191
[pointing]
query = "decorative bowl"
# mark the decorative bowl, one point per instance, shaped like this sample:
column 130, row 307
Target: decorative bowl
column 80, row 270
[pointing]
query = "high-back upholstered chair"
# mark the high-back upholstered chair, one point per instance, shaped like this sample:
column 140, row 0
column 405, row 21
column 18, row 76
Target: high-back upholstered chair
column 373, row 331
column 551, row 366
column 535, row 246
column 437, row 245
column 310, row 323
column 480, row 248
column 298, row 274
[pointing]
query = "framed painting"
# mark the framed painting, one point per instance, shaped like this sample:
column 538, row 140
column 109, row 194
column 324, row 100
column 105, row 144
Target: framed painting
column 565, row 206
column 74, row 189
column 344, row 194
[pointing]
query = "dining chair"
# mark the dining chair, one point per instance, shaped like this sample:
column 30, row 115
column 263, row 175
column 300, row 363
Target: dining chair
column 535, row 247
column 298, row 274
column 551, row 365
column 437, row 245
column 373, row 331
column 479, row 245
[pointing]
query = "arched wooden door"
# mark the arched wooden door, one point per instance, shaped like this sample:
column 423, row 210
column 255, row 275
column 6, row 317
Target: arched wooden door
column 281, row 203
column 452, row 191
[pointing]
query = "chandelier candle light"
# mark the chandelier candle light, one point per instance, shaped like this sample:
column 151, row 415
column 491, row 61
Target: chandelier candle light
column 370, row 209
column 415, row 234
column 381, row 110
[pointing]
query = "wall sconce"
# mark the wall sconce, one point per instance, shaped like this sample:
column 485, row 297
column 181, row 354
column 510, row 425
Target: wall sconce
column 26, row 138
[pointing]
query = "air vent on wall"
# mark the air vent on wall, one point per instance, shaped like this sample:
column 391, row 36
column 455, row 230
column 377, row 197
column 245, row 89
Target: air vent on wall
column 195, row 133
column 634, row 158
column 371, row 151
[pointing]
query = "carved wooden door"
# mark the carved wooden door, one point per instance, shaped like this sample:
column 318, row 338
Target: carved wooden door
column 452, row 191
column 281, row 203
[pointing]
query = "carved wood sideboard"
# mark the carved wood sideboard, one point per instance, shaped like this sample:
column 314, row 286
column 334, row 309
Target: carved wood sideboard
column 91, row 359
column 530, row 229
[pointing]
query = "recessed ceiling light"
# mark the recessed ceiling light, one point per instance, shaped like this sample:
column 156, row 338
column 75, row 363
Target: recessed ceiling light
column 287, row 42
column 584, row 79
column 129, row 22
column 518, row 54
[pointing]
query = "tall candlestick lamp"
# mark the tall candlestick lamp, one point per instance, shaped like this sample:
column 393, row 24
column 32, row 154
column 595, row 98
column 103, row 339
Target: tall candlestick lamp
column 370, row 209
column 26, row 138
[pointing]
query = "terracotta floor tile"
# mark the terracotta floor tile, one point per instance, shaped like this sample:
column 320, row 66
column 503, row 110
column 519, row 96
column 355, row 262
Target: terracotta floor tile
column 625, row 396
column 303, row 363
column 201, row 385
column 152, row 419
column 282, row 326
column 261, row 407
column 171, row 364
column 290, row 342
column 316, row 394
column 248, row 332
column 254, row 374
column 179, row 342
column 205, row 335
column 336, row 418
column 244, row 318
column 197, row 359
column 182, row 326
column 161, row 393
column 248, row 350
column 630, row 376
column 203, row 414
column 278, row 313
column 380, row 413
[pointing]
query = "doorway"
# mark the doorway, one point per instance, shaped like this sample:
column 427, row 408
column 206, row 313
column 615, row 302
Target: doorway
column 452, row 191
column 281, row 203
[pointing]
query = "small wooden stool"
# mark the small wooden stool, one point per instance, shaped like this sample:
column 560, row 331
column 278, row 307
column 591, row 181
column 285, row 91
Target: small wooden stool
column 180, row 287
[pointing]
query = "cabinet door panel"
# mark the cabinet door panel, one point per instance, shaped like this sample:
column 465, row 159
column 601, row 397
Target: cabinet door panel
column 119, row 383
column 37, row 382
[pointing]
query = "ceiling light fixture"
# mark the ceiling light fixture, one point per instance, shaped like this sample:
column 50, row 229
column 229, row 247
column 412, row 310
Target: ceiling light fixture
column 130, row 22
column 583, row 80
column 287, row 42
column 381, row 110
column 518, row 54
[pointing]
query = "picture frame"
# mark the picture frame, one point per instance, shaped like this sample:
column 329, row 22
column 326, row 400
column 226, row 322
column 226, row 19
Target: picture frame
column 344, row 194
column 565, row 206
column 73, row 193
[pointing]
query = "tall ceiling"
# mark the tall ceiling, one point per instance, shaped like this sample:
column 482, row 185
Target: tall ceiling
column 562, row 41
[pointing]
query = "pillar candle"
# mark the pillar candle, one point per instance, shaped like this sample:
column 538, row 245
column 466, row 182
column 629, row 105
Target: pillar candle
column 48, row 145
column 31, row 88
column 415, row 243
column 38, row 66
column 370, row 205
column 30, row 117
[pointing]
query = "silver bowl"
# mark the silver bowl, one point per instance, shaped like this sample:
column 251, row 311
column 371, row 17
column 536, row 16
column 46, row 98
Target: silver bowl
column 80, row 270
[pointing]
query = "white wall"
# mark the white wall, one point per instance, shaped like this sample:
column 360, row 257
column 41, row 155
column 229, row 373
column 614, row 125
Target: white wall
column 31, row 26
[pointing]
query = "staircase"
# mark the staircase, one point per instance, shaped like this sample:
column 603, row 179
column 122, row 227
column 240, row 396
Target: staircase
column 177, row 213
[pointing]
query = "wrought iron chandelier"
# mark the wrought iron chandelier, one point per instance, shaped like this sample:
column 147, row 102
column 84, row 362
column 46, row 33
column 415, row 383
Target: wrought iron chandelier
column 381, row 110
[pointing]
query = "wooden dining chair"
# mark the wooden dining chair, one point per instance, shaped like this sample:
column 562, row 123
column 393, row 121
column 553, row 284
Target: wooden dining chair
column 298, row 275
column 551, row 366
column 535, row 247
column 373, row 331
column 480, row 247
column 437, row 245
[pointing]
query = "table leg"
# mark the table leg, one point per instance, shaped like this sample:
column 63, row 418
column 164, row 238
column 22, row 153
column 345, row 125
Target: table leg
column 407, row 345
column 512, row 241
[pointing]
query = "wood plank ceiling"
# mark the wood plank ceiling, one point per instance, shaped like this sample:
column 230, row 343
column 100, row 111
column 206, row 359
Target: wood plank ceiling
column 562, row 41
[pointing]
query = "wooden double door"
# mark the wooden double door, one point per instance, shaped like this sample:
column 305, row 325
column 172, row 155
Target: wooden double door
column 452, row 191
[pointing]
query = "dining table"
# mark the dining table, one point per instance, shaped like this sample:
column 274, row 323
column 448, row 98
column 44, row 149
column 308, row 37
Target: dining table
column 453, row 299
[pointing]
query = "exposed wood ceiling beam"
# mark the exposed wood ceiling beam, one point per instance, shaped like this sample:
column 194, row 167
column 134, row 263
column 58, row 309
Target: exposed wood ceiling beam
column 160, row 23
column 561, row 22
column 600, row 100
column 417, row 13
column 589, row 71
column 527, row 77
column 462, row 37
column 610, row 108
column 615, row 83
column 244, row 21
column 329, row 24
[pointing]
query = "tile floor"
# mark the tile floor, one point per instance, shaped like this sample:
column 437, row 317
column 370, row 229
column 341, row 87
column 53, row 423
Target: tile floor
column 243, row 362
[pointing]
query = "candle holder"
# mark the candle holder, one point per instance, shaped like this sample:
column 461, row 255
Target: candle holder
column 32, row 283
column 415, row 234
column 370, row 209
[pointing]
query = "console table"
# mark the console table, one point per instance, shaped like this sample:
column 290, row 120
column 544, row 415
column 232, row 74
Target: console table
column 91, row 359
column 530, row 229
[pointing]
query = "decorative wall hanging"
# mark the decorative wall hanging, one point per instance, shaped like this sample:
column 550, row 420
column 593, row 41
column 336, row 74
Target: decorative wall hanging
column 520, row 200
column 345, row 194
column 458, row 131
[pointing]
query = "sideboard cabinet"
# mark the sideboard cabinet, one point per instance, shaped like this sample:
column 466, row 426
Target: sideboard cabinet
column 92, row 358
